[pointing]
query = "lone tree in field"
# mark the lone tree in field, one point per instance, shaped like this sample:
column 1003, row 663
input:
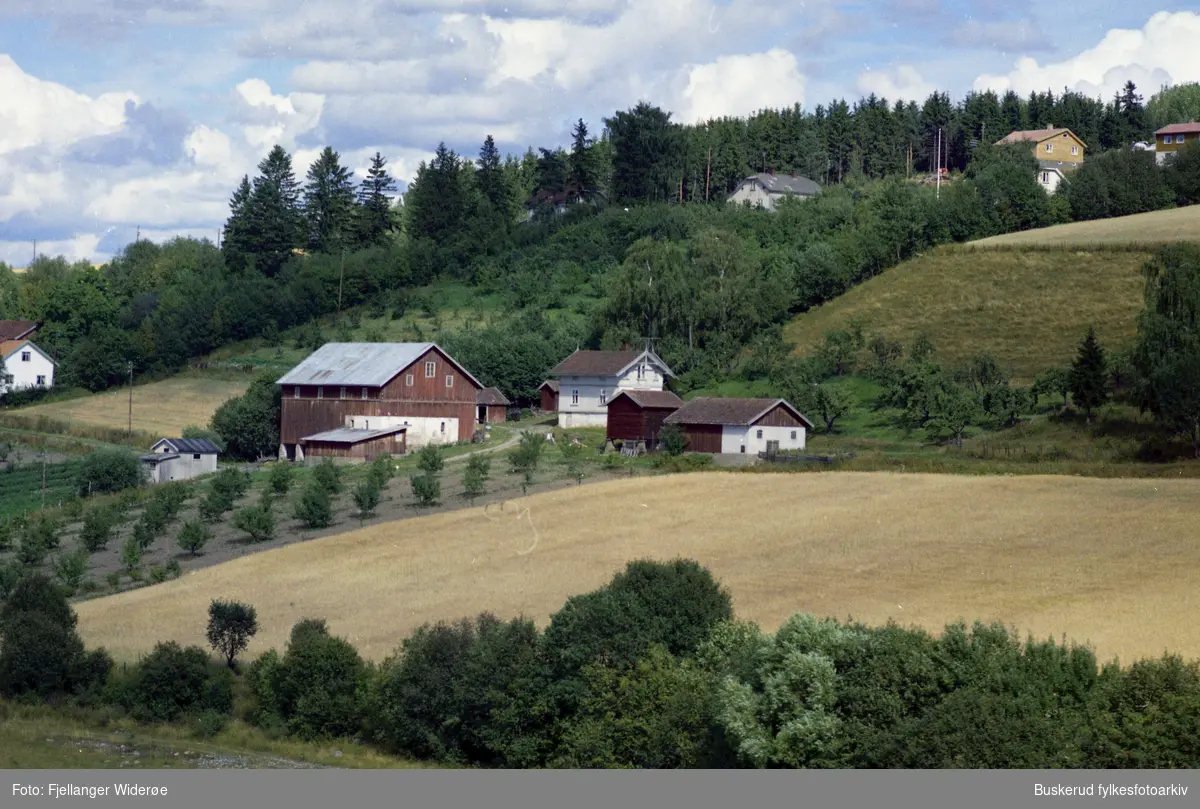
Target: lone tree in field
column 193, row 537
column 315, row 506
column 1089, row 375
column 429, row 459
column 673, row 438
column 280, row 479
column 231, row 625
column 366, row 497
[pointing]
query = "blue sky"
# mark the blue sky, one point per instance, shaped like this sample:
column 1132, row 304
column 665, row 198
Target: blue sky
column 116, row 114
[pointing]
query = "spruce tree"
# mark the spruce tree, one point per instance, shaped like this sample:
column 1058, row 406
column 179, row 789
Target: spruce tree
column 436, row 202
column 375, row 202
column 490, row 176
column 582, row 175
column 328, row 203
column 1089, row 375
column 273, row 212
column 235, row 245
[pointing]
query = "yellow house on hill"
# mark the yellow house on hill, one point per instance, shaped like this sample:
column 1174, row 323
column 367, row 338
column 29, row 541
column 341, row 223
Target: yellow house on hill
column 1173, row 137
column 1058, row 151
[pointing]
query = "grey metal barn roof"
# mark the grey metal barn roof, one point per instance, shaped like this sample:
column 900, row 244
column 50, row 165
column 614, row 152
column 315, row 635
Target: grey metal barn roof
column 491, row 397
column 370, row 364
column 347, row 435
column 192, row 445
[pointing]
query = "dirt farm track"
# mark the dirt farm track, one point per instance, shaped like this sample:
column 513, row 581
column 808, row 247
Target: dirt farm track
column 1111, row 563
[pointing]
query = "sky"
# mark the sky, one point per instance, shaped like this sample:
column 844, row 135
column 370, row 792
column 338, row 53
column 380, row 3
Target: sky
column 117, row 115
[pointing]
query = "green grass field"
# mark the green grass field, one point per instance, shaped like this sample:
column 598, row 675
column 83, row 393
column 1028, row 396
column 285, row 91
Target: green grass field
column 1028, row 308
column 1156, row 227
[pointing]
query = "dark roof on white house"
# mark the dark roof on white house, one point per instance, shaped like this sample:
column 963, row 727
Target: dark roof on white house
column 786, row 184
column 369, row 364
column 734, row 412
column 604, row 363
column 347, row 435
column 190, row 445
column 16, row 329
column 660, row 399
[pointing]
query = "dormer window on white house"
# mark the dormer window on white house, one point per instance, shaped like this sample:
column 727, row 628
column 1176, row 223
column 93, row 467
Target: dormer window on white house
column 603, row 396
column 26, row 356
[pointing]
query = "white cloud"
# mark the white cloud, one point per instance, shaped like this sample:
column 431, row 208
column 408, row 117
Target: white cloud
column 740, row 85
column 77, row 248
column 903, row 82
column 274, row 119
column 1162, row 52
column 48, row 115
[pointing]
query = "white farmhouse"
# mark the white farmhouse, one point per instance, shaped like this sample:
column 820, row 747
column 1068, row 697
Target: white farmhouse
column 766, row 190
column 588, row 379
column 741, row 426
column 25, row 366
column 180, row 459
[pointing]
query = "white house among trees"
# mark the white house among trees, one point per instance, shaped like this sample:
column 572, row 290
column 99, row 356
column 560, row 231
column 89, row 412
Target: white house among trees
column 588, row 379
column 23, row 365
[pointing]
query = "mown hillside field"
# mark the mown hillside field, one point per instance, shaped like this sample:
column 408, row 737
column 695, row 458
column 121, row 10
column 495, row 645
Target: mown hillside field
column 1108, row 562
column 1155, row 227
column 1027, row 307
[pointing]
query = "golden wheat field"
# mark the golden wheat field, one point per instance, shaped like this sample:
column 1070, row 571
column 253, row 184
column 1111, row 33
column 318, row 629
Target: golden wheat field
column 1112, row 563
column 1156, row 227
column 161, row 408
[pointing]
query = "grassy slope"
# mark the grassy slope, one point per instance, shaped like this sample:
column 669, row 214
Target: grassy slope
column 1111, row 562
column 1029, row 308
column 1157, row 227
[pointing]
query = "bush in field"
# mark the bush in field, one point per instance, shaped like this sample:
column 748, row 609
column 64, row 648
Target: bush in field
column 329, row 476
column 366, row 497
column 193, row 537
column 527, row 454
column 231, row 625
column 673, row 439
column 442, row 694
column 475, row 475
column 70, row 568
column 230, row 483
column 40, row 651
column 316, row 689
column 144, row 533
column 172, row 682
column 381, row 470
column 131, row 552
column 214, row 505
column 430, row 460
column 315, row 507
column 45, row 530
column 281, row 477
column 171, row 498
column 426, row 489
column 7, row 532
column 109, row 470
column 97, row 529
column 674, row 604
column 257, row 522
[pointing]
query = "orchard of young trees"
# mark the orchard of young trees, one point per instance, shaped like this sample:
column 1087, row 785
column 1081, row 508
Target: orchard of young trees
column 708, row 279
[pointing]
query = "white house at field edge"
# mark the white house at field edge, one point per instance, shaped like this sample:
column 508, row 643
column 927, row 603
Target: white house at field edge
column 25, row 366
column 741, row 426
column 588, row 379
column 180, row 459
column 766, row 190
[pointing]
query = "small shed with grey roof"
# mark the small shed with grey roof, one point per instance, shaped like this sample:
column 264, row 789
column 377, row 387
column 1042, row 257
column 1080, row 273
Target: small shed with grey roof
column 741, row 426
column 180, row 459
column 492, row 406
column 767, row 189
column 351, row 444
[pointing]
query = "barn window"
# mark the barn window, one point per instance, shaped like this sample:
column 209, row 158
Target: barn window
column 443, row 427
column 574, row 397
column 641, row 369
column 759, row 434
column 449, row 380
column 195, row 456
column 793, row 435
column 342, row 393
column 320, row 392
column 364, row 393
column 430, row 369
column 296, row 392
column 366, row 424
column 25, row 356
column 408, row 380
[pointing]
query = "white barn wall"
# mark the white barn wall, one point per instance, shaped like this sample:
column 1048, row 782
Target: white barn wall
column 421, row 430
column 733, row 436
column 25, row 373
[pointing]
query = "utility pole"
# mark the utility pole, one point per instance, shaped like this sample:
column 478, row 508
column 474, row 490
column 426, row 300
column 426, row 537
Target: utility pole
column 35, row 250
column 708, row 173
column 341, row 275
column 137, row 236
column 938, row 193
column 130, row 369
